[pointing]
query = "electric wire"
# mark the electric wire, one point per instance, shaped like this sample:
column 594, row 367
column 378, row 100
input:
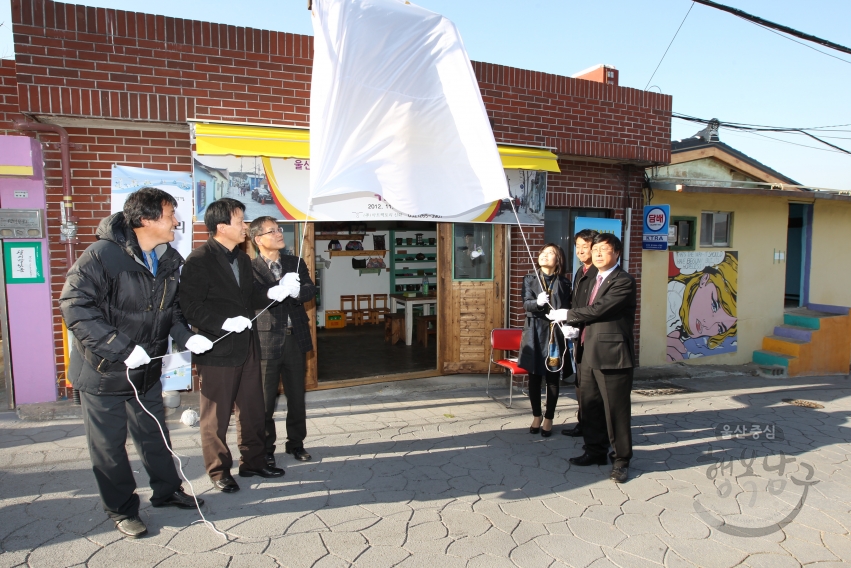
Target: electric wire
column 669, row 46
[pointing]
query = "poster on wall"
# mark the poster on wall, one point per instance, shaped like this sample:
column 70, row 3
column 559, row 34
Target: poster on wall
column 126, row 180
column 23, row 262
column 280, row 187
column 702, row 314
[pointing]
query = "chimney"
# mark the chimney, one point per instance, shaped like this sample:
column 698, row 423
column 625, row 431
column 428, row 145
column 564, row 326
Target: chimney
column 600, row 73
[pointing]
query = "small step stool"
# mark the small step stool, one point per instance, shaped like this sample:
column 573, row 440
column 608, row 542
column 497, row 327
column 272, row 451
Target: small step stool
column 394, row 328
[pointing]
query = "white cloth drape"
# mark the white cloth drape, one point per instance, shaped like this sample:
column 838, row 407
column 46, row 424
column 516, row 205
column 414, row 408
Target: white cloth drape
column 395, row 110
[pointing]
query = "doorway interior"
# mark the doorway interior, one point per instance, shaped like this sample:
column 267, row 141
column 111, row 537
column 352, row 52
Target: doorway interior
column 798, row 252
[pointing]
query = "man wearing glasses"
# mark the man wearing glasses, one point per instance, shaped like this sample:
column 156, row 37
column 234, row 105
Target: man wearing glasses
column 284, row 331
column 606, row 358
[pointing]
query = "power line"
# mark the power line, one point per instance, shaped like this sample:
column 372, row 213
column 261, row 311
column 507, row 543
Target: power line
column 770, row 24
column 669, row 46
column 745, row 133
column 804, row 44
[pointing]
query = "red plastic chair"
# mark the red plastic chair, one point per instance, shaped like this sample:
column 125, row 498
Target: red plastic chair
column 505, row 339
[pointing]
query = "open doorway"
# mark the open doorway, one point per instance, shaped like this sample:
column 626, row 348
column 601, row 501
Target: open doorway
column 376, row 308
column 798, row 243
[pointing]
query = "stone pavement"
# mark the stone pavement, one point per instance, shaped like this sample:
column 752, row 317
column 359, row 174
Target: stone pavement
column 414, row 474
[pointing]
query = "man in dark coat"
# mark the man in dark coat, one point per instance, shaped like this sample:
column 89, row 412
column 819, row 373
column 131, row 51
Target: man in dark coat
column 218, row 297
column 606, row 358
column 284, row 334
column 585, row 276
column 120, row 302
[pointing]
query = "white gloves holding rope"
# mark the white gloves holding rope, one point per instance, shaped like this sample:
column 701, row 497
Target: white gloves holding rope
column 543, row 298
column 137, row 358
column 237, row 324
column 560, row 316
column 198, row 344
column 290, row 286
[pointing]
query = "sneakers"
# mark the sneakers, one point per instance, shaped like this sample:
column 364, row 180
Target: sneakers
column 132, row 527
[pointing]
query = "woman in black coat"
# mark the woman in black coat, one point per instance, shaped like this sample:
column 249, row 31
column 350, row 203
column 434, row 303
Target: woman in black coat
column 539, row 333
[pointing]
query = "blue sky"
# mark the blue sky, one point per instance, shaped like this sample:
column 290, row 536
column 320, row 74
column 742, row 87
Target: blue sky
column 719, row 66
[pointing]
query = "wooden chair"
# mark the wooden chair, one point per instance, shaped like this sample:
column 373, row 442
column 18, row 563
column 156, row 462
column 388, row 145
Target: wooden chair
column 364, row 308
column 379, row 312
column 505, row 340
column 348, row 313
column 394, row 328
column 423, row 329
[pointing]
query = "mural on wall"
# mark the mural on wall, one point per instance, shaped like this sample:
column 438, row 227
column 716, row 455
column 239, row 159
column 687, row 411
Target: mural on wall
column 702, row 314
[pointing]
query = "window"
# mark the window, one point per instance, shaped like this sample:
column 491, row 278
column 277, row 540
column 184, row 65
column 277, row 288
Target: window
column 472, row 252
column 715, row 229
column 681, row 233
column 560, row 226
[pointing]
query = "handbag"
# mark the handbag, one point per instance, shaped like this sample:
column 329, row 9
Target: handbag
column 375, row 262
column 378, row 242
column 354, row 245
column 334, row 244
column 358, row 263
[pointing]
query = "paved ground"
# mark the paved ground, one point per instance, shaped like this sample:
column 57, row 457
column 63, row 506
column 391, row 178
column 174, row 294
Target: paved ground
column 417, row 475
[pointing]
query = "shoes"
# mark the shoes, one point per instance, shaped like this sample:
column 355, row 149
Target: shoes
column 619, row 474
column 180, row 500
column 588, row 459
column 226, row 485
column 132, row 527
column 270, row 460
column 267, row 472
column 575, row 432
column 300, row 454
column 546, row 433
column 535, row 429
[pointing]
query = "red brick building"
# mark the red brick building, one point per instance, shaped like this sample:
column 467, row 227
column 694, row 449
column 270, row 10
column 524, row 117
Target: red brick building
column 126, row 85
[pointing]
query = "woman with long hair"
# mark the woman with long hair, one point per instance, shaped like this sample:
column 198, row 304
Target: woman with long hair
column 543, row 350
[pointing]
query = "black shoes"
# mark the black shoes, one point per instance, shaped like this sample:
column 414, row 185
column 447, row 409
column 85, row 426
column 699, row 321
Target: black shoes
column 270, row 460
column 226, row 485
column 132, row 527
column 619, row 474
column 267, row 472
column 300, row 454
column 180, row 500
column 575, row 432
column 535, row 429
column 588, row 459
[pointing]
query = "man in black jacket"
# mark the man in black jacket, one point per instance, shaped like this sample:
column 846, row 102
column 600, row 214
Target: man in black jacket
column 284, row 334
column 218, row 297
column 582, row 282
column 606, row 358
column 120, row 302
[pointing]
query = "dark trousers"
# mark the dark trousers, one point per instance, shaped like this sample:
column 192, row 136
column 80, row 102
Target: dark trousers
column 239, row 389
column 604, row 396
column 552, row 393
column 289, row 368
column 107, row 420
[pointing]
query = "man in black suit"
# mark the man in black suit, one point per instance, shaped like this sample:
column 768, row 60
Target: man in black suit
column 284, row 334
column 606, row 357
column 218, row 297
column 582, row 283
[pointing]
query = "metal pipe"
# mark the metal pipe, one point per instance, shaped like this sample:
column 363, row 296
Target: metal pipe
column 68, row 228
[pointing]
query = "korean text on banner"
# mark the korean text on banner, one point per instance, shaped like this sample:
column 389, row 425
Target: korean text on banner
column 398, row 114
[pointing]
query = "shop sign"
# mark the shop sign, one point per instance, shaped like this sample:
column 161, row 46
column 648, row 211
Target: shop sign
column 656, row 221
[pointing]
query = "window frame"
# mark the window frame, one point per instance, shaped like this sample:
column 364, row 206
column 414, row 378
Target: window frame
column 715, row 244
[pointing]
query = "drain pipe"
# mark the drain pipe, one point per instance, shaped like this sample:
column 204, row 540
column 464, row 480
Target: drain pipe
column 68, row 228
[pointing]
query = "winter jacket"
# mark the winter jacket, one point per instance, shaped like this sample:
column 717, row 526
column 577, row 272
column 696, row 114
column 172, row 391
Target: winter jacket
column 536, row 330
column 271, row 324
column 111, row 303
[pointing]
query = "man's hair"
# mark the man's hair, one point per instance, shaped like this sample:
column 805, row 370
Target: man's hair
column 609, row 239
column 256, row 227
column 146, row 203
column 221, row 211
column 586, row 235
column 560, row 260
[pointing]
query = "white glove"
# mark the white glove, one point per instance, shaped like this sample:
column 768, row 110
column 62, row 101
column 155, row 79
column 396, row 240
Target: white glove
column 198, row 344
column 291, row 278
column 137, row 358
column 237, row 324
column 557, row 315
column 278, row 293
column 570, row 332
column 543, row 298
column 295, row 289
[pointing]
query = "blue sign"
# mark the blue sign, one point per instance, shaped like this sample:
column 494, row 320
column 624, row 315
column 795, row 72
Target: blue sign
column 599, row 224
column 656, row 218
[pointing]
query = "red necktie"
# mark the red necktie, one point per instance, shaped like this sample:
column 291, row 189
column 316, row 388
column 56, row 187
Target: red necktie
column 591, row 301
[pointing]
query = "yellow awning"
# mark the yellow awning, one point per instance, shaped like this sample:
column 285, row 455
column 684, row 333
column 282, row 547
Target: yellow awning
column 236, row 140
column 273, row 142
column 520, row 158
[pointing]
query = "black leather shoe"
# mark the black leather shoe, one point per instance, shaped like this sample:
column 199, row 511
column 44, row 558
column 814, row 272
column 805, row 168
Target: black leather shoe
column 535, row 429
column 588, row 459
column 226, row 485
column 575, row 432
column 300, row 454
column 132, row 527
column 619, row 474
column 180, row 500
column 270, row 460
column 546, row 433
column 267, row 472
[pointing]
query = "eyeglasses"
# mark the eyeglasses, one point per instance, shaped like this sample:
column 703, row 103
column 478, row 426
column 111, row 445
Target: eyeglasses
column 603, row 250
column 278, row 230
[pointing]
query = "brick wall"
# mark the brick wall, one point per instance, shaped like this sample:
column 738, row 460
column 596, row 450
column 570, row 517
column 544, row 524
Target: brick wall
column 8, row 96
column 159, row 73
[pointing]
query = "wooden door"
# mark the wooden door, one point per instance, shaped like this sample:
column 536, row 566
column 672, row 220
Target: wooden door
column 468, row 309
column 310, row 376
